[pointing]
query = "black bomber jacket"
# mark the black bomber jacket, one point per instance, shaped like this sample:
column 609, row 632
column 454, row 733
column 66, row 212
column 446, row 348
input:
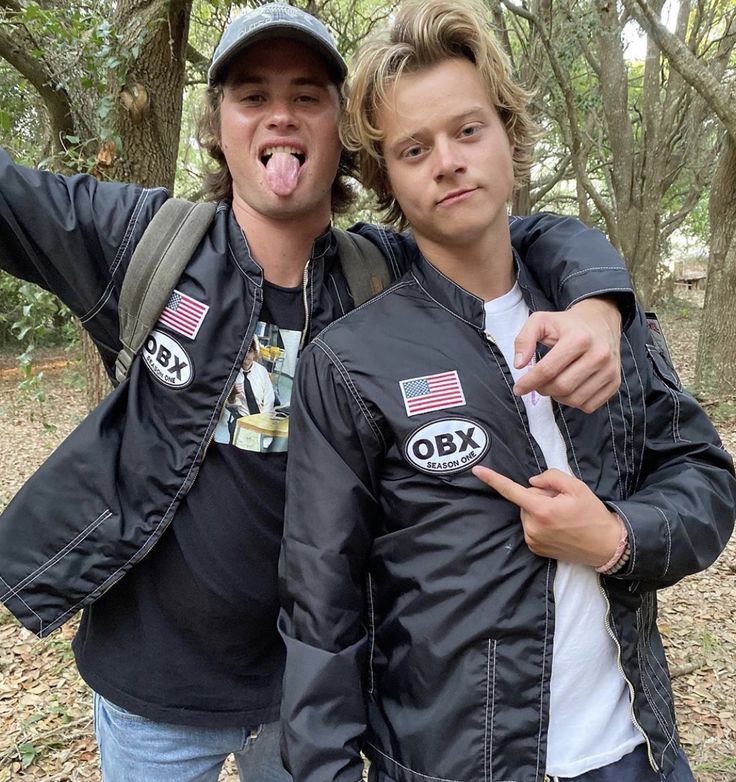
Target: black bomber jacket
column 418, row 624
column 103, row 498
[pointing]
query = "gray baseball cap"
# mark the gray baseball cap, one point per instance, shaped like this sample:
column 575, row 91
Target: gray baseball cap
column 275, row 20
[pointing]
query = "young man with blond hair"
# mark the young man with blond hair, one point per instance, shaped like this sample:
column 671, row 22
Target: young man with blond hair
column 449, row 629
column 148, row 516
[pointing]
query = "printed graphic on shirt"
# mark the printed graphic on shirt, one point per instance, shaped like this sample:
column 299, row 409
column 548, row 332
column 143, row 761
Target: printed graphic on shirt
column 256, row 414
column 432, row 392
column 446, row 446
column 183, row 314
column 167, row 360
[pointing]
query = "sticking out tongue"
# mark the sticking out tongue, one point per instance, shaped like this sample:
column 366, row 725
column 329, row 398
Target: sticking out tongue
column 282, row 172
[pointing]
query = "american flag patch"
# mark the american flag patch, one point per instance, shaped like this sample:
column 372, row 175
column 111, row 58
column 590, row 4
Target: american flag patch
column 183, row 314
column 432, row 392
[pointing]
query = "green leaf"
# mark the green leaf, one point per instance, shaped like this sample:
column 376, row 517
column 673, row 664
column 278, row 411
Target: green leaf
column 28, row 754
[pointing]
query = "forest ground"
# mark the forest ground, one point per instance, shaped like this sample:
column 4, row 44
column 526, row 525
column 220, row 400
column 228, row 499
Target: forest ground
column 45, row 726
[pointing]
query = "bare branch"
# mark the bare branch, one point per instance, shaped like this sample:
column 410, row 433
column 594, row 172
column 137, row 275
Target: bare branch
column 692, row 70
column 196, row 57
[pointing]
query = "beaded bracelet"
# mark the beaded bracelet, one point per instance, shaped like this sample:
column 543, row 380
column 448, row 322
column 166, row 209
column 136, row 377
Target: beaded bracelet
column 621, row 556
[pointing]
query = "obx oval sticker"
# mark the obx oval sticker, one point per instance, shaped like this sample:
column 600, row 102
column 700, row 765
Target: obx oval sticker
column 167, row 360
column 447, row 445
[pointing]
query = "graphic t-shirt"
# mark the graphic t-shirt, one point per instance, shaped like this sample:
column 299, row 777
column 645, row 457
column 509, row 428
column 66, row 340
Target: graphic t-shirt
column 189, row 635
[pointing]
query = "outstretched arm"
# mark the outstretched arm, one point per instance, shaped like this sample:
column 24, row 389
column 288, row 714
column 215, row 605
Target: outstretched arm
column 73, row 236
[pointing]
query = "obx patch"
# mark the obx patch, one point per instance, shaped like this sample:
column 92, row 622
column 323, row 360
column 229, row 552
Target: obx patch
column 448, row 445
column 167, row 360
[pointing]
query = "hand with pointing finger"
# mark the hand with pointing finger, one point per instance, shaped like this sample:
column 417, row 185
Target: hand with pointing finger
column 561, row 516
column 583, row 368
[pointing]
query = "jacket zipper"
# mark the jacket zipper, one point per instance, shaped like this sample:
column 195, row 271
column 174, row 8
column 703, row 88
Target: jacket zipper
column 609, row 630
column 632, row 695
column 307, row 312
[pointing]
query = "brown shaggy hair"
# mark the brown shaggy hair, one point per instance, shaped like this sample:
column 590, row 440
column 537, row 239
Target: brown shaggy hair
column 425, row 33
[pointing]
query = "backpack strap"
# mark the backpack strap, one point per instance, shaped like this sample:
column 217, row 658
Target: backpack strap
column 363, row 265
column 166, row 247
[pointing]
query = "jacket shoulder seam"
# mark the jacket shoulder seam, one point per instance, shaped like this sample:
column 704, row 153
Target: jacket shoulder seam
column 335, row 361
column 395, row 287
column 132, row 223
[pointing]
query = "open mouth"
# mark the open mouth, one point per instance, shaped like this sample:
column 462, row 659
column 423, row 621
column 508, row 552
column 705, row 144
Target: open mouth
column 293, row 151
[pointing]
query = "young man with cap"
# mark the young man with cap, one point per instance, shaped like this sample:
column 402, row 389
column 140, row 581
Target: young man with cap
column 448, row 630
column 178, row 638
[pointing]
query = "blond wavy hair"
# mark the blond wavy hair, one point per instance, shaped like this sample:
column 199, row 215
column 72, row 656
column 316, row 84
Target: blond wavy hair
column 425, row 33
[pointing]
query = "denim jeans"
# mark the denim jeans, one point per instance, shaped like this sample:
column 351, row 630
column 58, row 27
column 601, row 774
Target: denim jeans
column 134, row 749
column 633, row 767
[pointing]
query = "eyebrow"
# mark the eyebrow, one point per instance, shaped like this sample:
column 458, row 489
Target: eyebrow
column 413, row 137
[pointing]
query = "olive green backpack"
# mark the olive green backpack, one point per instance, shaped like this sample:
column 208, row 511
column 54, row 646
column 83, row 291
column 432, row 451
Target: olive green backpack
column 167, row 246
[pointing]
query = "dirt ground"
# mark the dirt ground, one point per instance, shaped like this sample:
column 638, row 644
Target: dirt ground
column 45, row 726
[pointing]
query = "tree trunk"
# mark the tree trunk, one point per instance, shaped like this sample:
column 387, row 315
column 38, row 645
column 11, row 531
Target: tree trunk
column 149, row 118
column 715, row 373
column 715, row 369
column 641, row 248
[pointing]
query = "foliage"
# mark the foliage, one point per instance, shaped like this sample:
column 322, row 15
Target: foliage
column 627, row 143
column 32, row 316
column 22, row 132
column 74, row 44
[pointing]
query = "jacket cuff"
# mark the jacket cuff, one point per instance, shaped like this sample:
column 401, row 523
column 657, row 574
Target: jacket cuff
column 650, row 541
column 575, row 288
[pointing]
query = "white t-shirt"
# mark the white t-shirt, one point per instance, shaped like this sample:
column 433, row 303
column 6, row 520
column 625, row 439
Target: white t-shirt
column 590, row 721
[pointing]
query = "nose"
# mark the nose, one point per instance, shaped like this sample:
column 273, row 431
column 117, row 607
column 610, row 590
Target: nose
column 448, row 159
column 281, row 115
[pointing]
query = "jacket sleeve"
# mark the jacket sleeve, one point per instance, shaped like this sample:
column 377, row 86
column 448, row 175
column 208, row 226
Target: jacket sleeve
column 572, row 262
column 333, row 452
column 681, row 515
column 72, row 235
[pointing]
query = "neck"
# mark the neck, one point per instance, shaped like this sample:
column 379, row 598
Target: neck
column 485, row 269
column 281, row 247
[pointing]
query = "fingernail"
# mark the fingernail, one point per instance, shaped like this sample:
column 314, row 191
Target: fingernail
column 518, row 360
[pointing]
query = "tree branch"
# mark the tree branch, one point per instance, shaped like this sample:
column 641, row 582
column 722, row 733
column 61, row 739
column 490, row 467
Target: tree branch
column 692, row 70
column 196, row 57
column 14, row 48
column 574, row 142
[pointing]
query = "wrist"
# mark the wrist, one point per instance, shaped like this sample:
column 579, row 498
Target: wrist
column 621, row 554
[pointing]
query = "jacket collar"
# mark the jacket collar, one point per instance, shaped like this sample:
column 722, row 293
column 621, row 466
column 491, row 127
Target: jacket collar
column 465, row 305
column 323, row 246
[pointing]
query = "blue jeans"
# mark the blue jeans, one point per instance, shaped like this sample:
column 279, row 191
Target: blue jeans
column 633, row 767
column 134, row 749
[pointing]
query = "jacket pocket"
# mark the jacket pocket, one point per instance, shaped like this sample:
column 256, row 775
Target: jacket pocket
column 663, row 369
